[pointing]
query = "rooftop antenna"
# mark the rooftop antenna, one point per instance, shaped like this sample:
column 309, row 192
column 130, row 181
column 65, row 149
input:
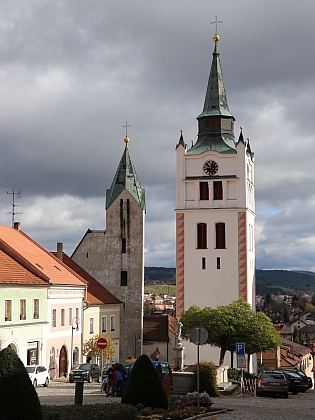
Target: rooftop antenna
column 14, row 194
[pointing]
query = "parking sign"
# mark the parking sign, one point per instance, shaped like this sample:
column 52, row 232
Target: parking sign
column 240, row 349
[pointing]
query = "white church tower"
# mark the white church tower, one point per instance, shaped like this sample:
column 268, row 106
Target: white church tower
column 215, row 208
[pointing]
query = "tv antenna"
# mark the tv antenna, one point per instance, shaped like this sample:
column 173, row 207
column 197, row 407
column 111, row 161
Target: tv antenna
column 14, row 194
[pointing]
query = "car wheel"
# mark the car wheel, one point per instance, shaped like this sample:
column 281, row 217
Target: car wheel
column 90, row 380
column 259, row 394
column 294, row 393
column 46, row 382
column 35, row 383
column 286, row 395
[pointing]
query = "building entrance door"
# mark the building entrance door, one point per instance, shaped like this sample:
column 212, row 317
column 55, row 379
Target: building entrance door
column 63, row 362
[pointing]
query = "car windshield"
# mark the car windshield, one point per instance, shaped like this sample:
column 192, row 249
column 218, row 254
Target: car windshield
column 85, row 366
column 274, row 375
column 30, row 369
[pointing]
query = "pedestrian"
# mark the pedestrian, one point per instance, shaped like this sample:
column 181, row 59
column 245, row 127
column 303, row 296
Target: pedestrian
column 110, row 380
column 118, row 380
column 157, row 354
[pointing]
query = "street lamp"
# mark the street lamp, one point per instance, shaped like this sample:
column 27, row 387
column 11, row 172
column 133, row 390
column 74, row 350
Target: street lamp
column 137, row 334
column 75, row 320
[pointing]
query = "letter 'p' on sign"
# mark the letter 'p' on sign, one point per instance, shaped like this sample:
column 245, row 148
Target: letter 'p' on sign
column 240, row 349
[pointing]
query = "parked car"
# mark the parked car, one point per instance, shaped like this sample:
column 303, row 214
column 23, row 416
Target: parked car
column 39, row 375
column 85, row 372
column 310, row 382
column 295, row 381
column 162, row 368
column 272, row 383
column 301, row 374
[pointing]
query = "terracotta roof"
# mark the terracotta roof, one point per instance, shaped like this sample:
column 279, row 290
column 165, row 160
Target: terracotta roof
column 157, row 327
column 97, row 293
column 39, row 261
column 12, row 272
column 296, row 348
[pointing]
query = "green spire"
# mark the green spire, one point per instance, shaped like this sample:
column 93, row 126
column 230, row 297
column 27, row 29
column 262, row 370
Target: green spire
column 215, row 101
column 126, row 178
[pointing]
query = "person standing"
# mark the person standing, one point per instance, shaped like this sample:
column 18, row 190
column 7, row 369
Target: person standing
column 157, row 354
column 118, row 380
column 110, row 380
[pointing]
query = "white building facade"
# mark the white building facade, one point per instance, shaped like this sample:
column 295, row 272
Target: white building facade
column 215, row 211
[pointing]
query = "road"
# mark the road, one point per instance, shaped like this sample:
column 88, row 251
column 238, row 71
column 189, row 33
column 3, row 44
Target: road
column 296, row 407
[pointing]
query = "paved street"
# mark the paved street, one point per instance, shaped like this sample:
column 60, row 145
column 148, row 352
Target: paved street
column 296, row 407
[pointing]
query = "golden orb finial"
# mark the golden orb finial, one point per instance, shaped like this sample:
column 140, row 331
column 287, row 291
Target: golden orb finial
column 126, row 140
column 248, row 138
column 181, row 130
column 241, row 127
column 216, row 38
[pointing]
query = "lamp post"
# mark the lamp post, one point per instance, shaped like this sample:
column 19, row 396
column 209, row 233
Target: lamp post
column 75, row 320
column 137, row 334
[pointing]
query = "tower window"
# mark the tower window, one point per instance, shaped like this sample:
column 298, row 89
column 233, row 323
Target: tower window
column 210, row 123
column 123, row 246
column 202, row 236
column 203, row 263
column 217, row 123
column 218, row 263
column 204, row 190
column 123, row 278
column 220, row 235
column 217, row 190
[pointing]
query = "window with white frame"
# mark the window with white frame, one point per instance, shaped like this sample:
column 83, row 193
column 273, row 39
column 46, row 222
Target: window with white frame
column 70, row 316
column 91, row 325
column 76, row 313
column 36, row 308
column 22, row 309
column 62, row 317
column 54, row 318
column 112, row 322
column 52, row 358
column 8, row 310
column 104, row 324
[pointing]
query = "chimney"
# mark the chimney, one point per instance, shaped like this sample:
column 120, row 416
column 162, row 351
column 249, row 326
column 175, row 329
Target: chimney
column 17, row 226
column 59, row 250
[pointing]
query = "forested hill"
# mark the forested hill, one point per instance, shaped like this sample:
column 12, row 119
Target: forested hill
column 267, row 281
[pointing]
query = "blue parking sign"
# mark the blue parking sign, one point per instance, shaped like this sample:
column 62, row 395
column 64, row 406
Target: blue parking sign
column 240, row 349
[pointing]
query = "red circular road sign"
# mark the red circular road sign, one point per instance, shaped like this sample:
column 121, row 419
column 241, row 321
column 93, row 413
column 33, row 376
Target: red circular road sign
column 102, row 343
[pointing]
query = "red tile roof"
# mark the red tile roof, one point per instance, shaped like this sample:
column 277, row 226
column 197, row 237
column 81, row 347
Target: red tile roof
column 13, row 272
column 97, row 293
column 37, row 259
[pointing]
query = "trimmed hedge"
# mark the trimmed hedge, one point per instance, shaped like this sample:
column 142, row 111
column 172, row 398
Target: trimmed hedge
column 108, row 411
column 207, row 378
column 19, row 399
column 144, row 386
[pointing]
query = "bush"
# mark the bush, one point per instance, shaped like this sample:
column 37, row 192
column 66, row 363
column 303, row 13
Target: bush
column 144, row 386
column 234, row 375
column 19, row 398
column 207, row 378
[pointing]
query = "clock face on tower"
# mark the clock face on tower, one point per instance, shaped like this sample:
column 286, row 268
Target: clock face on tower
column 210, row 167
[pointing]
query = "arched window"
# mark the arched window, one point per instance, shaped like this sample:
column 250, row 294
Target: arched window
column 202, row 236
column 220, row 235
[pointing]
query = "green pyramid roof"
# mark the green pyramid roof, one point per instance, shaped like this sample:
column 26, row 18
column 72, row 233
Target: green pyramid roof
column 126, row 178
column 215, row 101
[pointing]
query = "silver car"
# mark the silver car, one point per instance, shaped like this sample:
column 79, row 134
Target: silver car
column 272, row 383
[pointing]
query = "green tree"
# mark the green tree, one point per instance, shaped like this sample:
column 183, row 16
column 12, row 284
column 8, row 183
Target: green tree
column 313, row 299
column 144, row 386
column 19, row 399
column 231, row 324
column 90, row 347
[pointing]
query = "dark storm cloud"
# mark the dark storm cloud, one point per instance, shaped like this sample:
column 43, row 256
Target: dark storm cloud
column 73, row 71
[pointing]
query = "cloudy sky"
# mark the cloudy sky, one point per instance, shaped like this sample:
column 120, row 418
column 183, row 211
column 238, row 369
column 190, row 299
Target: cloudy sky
column 73, row 71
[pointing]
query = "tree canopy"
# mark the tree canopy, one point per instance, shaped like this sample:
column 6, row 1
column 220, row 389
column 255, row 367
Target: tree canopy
column 90, row 347
column 231, row 324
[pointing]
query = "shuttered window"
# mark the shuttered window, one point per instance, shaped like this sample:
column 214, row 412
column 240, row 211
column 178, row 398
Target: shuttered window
column 217, row 190
column 202, row 236
column 204, row 190
column 220, row 235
